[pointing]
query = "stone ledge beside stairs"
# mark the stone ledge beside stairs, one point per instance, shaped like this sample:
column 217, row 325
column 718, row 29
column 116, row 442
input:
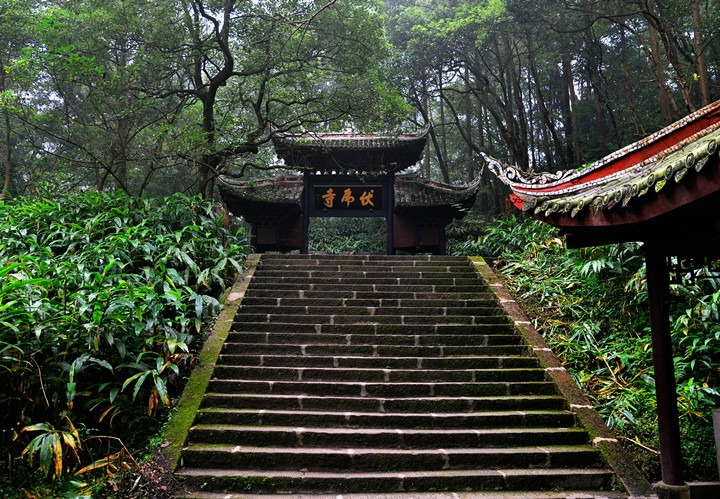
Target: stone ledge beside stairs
column 600, row 434
column 192, row 396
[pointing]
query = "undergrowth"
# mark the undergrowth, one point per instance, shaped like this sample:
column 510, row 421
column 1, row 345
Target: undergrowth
column 104, row 301
column 347, row 235
column 591, row 307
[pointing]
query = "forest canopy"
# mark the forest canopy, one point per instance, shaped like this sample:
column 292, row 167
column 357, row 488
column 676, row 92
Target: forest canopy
column 160, row 97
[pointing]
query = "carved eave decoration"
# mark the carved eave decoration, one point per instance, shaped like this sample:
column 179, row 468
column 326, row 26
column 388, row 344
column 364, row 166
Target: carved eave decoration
column 666, row 183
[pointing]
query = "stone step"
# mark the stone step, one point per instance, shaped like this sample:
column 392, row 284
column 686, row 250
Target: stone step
column 394, row 268
column 367, row 293
column 365, row 389
column 378, row 362
column 365, row 271
column 322, row 259
column 438, row 309
column 307, row 482
column 334, row 301
column 322, row 350
column 383, row 459
column 247, row 316
column 377, row 375
column 386, row 279
column 446, row 339
column 434, row 404
column 372, row 376
column 349, row 419
column 375, row 275
column 413, row 438
column 487, row 494
column 505, row 330
column 378, row 290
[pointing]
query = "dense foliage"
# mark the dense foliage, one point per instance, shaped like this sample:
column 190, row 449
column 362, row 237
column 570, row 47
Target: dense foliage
column 160, row 96
column 348, row 235
column 591, row 307
column 548, row 85
column 104, row 300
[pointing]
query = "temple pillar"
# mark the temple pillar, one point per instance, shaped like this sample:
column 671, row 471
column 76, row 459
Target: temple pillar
column 658, row 282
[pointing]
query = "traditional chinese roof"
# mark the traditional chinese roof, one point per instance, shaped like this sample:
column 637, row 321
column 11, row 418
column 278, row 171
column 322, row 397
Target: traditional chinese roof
column 254, row 199
column 343, row 152
column 262, row 199
column 415, row 192
column 633, row 192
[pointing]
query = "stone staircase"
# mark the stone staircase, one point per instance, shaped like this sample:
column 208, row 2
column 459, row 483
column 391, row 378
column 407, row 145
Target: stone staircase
column 382, row 375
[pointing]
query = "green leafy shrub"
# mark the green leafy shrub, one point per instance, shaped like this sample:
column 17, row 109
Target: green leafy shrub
column 104, row 300
column 591, row 306
column 347, row 235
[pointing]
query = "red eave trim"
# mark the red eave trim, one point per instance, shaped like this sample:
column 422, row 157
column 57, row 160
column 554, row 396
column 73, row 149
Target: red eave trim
column 646, row 207
column 633, row 158
column 519, row 203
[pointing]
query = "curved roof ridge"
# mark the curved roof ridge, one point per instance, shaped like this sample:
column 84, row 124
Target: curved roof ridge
column 529, row 180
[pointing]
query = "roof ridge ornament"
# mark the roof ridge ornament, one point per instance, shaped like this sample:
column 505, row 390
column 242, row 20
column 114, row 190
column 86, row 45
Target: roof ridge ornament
column 514, row 175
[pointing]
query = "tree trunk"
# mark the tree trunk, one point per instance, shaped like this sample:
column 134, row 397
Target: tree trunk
column 468, row 129
column 601, row 134
column 519, row 117
column 574, row 150
column 656, row 64
column 425, row 170
column 549, row 126
column 593, row 69
column 208, row 163
column 119, row 154
column 627, row 90
column 438, row 154
column 433, row 138
column 5, row 149
column 485, row 205
column 566, row 107
column 443, row 136
column 509, row 121
column 702, row 73
column 533, row 159
column 671, row 50
column 5, row 146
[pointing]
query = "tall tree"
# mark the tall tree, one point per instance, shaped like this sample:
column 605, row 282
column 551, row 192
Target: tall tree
column 14, row 22
column 164, row 95
column 256, row 68
column 81, row 76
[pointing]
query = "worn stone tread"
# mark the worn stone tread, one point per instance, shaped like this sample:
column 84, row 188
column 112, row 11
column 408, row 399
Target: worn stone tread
column 522, row 494
column 291, row 482
column 354, row 419
column 389, row 361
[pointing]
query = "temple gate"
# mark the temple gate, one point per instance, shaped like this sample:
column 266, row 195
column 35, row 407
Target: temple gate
column 349, row 175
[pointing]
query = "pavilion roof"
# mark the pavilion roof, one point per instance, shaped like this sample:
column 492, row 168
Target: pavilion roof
column 348, row 152
column 654, row 177
column 416, row 192
column 411, row 192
